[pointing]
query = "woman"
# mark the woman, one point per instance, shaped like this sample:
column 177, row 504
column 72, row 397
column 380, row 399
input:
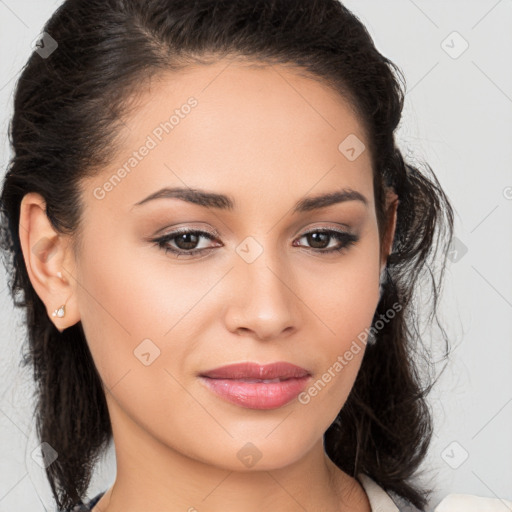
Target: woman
column 218, row 243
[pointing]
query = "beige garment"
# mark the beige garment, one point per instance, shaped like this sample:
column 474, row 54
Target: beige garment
column 381, row 501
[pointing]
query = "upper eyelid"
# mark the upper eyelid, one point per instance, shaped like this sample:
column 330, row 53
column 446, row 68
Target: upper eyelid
column 215, row 234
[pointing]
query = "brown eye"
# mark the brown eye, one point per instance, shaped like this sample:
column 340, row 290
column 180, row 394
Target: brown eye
column 319, row 240
column 185, row 242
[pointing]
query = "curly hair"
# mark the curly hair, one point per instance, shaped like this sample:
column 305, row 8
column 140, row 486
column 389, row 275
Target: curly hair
column 67, row 108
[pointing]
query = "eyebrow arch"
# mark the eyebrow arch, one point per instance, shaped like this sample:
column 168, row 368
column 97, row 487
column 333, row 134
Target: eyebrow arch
column 223, row 202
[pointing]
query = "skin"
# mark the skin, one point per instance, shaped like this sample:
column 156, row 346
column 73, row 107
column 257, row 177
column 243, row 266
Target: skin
column 267, row 137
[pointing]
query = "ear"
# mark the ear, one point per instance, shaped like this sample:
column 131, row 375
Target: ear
column 49, row 260
column 390, row 226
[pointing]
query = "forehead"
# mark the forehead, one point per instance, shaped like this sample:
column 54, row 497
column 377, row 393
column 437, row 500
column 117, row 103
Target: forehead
column 234, row 127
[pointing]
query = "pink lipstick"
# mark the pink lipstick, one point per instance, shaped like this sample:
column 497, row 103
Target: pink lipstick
column 255, row 386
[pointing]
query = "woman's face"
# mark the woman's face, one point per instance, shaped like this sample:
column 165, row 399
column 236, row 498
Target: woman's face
column 260, row 289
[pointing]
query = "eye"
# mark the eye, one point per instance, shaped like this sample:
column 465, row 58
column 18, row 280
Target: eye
column 318, row 237
column 186, row 240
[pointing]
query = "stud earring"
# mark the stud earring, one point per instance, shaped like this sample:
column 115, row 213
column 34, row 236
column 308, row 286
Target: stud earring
column 60, row 312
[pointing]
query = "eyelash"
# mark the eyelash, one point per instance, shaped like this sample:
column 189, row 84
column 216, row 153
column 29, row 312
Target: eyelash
column 347, row 239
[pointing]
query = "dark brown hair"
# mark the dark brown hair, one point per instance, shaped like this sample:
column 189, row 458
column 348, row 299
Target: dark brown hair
column 66, row 111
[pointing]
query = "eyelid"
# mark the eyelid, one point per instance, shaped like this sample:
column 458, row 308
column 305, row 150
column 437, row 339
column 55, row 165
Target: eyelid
column 341, row 228
column 213, row 235
column 187, row 229
column 345, row 229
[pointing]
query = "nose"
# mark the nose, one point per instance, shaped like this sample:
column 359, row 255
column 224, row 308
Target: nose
column 263, row 303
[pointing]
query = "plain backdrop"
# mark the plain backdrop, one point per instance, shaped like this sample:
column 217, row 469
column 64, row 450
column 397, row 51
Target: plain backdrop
column 456, row 57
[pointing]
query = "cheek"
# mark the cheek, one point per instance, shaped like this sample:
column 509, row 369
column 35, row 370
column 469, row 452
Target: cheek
column 346, row 304
column 137, row 306
column 345, row 294
column 133, row 320
column 118, row 305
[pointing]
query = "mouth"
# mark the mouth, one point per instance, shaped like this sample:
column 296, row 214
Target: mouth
column 255, row 386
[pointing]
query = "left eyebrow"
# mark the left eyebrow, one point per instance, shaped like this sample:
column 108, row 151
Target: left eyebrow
column 324, row 200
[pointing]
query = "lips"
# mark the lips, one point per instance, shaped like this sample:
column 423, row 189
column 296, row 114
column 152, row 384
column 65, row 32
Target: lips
column 274, row 372
column 257, row 386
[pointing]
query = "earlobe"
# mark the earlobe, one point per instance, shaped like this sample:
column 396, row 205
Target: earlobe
column 46, row 255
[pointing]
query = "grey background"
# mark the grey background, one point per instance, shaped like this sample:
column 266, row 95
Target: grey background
column 458, row 118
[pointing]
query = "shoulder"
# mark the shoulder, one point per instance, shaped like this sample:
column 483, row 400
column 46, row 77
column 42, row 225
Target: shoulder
column 85, row 506
column 472, row 503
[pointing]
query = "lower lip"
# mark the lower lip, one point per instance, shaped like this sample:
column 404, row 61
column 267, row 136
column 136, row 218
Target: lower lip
column 257, row 395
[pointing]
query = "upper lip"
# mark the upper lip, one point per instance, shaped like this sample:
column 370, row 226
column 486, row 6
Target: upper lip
column 249, row 370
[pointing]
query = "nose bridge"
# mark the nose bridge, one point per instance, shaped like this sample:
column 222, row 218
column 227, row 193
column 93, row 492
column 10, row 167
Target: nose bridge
column 264, row 275
column 262, row 301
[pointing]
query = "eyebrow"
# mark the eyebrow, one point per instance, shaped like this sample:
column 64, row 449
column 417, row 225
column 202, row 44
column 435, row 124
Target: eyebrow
column 224, row 202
